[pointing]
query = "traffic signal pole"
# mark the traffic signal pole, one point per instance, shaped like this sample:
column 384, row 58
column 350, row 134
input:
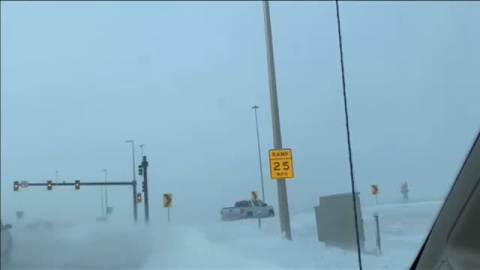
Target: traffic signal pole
column 145, row 188
column 135, row 211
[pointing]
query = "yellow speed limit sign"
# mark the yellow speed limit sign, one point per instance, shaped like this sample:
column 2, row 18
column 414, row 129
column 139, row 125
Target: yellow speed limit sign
column 281, row 163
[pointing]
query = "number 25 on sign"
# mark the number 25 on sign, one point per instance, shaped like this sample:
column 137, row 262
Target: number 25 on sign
column 281, row 164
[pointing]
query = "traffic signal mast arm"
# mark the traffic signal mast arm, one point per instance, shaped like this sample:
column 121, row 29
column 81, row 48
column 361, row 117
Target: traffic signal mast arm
column 84, row 184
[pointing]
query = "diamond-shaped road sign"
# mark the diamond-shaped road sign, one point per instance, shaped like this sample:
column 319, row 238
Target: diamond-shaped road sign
column 168, row 200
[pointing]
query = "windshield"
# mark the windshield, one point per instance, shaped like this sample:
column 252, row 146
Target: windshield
column 127, row 126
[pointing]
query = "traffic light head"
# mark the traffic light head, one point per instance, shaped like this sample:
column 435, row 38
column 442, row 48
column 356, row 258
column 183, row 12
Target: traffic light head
column 77, row 184
column 143, row 186
column 16, row 186
column 49, row 185
column 140, row 170
column 139, row 197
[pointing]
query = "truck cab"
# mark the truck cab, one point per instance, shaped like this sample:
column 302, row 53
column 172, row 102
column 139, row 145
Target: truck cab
column 247, row 209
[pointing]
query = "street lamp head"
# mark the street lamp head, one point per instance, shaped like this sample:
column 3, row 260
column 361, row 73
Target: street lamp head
column 255, row 107
column 129, row 141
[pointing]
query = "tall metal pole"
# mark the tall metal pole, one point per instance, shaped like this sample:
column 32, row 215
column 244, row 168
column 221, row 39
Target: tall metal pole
column 135, row 212
column 349, row 144
column 101, row 198
column 56, row 176
column 145, row 192
column 141, row 149
column 277, row 136
column 259, row 152
column 106, row 193
column 134, row 187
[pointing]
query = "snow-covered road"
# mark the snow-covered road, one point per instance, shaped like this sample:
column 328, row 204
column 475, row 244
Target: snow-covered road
column 223, row 245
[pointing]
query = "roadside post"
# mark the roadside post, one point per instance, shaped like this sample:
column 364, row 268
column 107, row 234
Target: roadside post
column 254, row 198
column 259, row 219
column 377, row 229
column 168, row 203
column 375, row 193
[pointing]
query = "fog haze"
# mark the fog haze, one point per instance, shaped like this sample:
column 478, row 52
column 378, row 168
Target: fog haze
column 80, row 78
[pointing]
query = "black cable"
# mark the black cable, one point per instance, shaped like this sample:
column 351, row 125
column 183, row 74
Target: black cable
column 348, row 137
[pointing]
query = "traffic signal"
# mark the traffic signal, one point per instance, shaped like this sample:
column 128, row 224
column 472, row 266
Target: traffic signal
column 16, row 186
column 77, row 184
column 49, row 185
column 139, row 197
column 143, row 186
column 140, row 170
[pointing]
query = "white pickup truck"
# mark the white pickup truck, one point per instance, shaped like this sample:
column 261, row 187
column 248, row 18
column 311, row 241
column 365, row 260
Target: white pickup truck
column 247, row 209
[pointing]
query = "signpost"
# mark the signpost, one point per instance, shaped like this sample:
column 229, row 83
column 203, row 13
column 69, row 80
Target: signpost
column 281, row 164
column 254, row 198
column 168, row 203
column 375, row 192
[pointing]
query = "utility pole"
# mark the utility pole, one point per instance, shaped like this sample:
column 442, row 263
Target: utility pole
column 101, row 198
column 277, row 136
column 135, row 211
column 259, row 152
column 106, row 193
column 145, row 188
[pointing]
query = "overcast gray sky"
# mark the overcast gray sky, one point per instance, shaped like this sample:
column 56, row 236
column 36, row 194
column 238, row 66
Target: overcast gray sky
column 80, row 78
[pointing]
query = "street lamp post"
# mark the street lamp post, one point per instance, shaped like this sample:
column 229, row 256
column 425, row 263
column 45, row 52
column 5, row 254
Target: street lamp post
column 102, row 201
column 141, row 149
column 133, row 158
column 135, row 213
column 277, row 135
column 259, row 152
column 106, row 193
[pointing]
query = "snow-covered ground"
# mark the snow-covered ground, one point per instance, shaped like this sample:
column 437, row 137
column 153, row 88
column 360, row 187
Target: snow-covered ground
column 241, row 245
column 224, row 245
